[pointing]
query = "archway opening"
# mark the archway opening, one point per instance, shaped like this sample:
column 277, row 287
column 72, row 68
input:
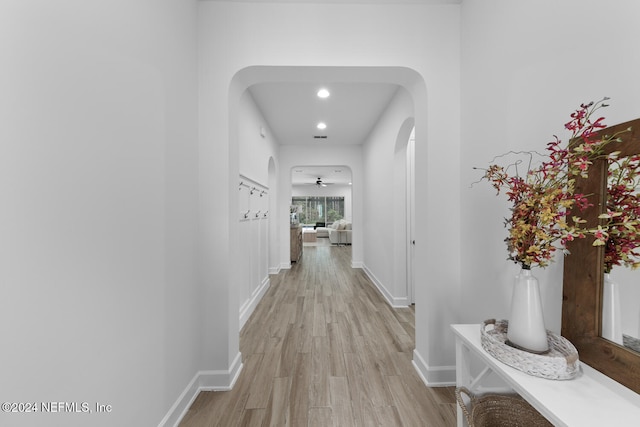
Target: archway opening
column 321, row 196
column 408, row 79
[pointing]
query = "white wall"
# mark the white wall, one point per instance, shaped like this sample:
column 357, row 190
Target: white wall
column 526, row 66
column 99, row 220
column 385, row 201
column 254, row 150
column 236, row 37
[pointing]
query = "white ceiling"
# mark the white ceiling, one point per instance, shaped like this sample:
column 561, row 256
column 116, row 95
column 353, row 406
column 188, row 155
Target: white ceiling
column 293, row 110
column 330, row 175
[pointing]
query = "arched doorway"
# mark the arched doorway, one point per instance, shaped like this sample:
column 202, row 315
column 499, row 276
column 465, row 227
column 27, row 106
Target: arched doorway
column 323, row 195
column 406, row 78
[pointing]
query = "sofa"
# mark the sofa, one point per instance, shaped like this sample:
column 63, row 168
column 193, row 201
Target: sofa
column 340, row 232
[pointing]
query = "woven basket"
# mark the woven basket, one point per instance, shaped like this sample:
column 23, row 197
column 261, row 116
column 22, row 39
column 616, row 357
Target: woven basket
column 561, row 362
column 499, row 410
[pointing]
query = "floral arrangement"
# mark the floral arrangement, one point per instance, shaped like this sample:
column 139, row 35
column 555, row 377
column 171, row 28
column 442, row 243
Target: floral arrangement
column 619, row 233
column 542, row 197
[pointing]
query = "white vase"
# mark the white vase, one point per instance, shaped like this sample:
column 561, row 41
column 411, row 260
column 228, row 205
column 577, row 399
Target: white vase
column 611, row 316
column 526, row 329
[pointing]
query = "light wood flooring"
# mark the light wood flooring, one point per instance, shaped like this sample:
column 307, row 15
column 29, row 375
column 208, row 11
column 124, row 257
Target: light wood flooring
column 324, row 349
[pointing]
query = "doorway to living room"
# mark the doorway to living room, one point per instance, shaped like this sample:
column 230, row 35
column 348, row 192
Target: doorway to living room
column 321, row 204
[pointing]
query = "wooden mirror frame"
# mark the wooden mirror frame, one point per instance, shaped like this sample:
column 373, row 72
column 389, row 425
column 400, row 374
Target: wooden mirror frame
column 584, row 276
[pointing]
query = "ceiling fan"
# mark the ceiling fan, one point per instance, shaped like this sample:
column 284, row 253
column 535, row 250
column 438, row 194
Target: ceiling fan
column 319, row 182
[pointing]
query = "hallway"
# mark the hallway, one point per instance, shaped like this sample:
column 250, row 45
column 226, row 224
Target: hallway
column 324, row 349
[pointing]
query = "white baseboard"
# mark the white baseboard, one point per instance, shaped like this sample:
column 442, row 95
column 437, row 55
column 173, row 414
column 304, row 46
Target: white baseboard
column 182, row 405
column 395, row 302
column 221, row 380
column 357, row 264
column 285, row 266
column 250, row 305
column 438, row 376
column 274, row 270
column 202, row 381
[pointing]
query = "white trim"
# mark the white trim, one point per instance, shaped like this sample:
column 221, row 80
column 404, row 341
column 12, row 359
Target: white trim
column 182, row 405
column 202, row 381
column 438, row 376
column 285, row 266
column 394, row 302
column 274, row 270
column 357, row 264
column 221, row 380
column 250, row 305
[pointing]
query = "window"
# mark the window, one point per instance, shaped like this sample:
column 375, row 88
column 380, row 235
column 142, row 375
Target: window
column 319, row 209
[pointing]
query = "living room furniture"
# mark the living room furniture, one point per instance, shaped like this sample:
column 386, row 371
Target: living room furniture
column 340, row 232
column 309, row 235
column 321, row 229
column 295, row 243
column 590, row 399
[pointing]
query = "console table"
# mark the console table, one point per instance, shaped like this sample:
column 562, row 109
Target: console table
column 295, row 242
column 590, row 399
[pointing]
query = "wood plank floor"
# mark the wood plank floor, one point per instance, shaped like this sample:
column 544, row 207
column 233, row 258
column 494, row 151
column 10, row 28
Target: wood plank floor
column 324, row 349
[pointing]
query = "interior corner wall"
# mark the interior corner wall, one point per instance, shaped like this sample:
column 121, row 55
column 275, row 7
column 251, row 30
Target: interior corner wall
column 520, row 83
column 99, row 221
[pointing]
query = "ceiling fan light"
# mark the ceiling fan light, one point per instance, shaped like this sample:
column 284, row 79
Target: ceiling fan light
column 321, row 126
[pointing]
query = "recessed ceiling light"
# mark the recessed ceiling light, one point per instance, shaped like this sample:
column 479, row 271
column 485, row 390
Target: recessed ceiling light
column 321, row 126
column 323, row 93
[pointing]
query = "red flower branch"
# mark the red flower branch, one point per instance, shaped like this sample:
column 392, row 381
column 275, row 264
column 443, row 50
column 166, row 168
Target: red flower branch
column 541, row 199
